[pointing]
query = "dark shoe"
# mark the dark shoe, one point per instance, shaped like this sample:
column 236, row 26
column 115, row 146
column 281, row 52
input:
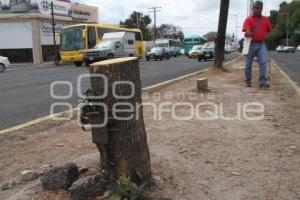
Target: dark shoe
column 264, row 86
column 248, row 85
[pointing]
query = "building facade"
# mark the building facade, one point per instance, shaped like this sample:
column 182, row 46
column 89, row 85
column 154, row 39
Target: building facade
column 26, row 27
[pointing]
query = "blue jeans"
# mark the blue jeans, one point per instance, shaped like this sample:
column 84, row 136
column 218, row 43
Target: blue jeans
column 256, row 50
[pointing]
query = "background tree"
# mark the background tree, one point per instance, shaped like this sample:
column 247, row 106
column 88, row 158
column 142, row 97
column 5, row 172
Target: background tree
column 169, row 31
column 138, row 20
column 210, row 36
column 279, row 23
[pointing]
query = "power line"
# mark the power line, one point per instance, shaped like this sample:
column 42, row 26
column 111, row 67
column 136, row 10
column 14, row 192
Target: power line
column 155, row 10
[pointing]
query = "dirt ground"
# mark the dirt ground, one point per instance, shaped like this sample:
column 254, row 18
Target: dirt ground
column 192, row 159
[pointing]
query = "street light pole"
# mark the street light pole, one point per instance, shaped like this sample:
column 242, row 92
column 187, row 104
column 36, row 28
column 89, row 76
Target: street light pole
column 287, row 26
column 236, row 29
column 287, row 29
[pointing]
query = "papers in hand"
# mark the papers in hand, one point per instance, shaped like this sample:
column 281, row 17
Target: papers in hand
column 246, row 47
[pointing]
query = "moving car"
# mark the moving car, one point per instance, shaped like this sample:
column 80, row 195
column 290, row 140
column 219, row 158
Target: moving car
column 285, row 49
column 195, row 51
column 207, row 51
column 4, row 63
column 113, row 45
column 158, row 53
column 298, row 48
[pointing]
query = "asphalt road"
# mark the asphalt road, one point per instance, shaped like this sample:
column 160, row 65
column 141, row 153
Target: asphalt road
column 290, row 63
column 25, row 91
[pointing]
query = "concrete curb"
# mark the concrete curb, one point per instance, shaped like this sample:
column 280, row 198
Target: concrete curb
column 36, row 121
column 287, row 77
column 147, row 89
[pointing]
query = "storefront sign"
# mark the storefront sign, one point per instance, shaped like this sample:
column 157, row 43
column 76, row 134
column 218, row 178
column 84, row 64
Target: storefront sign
column 79, row 15
column 47, row 32
column 59, row 7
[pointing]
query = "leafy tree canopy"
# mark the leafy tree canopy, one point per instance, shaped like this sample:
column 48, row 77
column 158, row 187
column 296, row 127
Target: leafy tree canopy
column 285, row 20
column 138, row 20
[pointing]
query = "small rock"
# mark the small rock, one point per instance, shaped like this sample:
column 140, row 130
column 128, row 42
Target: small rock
column 18, row 180
column 105, row 196
column 293, row 147
column 61, row 177
column 21, row 137
column 236, row 173
column 60, row 145
column 8, row 185
column 83, row 170
column 88, row 187
column 204, row 183
column 29, row 175
column 157, row 178
column 45, row 166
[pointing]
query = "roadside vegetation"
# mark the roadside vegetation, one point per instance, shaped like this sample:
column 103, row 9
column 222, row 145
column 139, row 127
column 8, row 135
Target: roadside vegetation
column 281, row 25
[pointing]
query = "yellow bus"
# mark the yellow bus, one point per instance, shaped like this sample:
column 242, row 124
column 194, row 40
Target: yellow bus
column 75, row 38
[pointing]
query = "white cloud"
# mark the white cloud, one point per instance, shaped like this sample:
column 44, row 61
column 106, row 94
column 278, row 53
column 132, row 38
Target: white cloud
column 194, row 16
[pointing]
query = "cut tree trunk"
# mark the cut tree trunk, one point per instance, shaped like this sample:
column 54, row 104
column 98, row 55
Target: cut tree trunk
column 125, row 150
column 202, row 85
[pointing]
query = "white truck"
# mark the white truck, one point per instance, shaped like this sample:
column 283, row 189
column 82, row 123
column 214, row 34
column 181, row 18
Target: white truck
column 112, row 45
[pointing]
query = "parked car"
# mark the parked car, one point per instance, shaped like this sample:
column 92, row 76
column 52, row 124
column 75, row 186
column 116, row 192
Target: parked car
column 285, row 49
column 298, row 48
column 4, row 63
column 158, row 53
column 113, row 45
column 175, row 51
column 182, row 51
column 207, row 51
column 195, row 51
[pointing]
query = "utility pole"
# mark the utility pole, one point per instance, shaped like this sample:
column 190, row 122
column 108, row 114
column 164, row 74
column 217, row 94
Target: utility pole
column 53, row 31
column 221, row 36
column 137, row 20
column 155, row 10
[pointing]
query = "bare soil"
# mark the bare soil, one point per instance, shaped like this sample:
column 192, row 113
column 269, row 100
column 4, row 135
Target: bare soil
column 192, row 159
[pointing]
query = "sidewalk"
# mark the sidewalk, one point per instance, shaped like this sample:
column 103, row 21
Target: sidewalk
column 192, row 159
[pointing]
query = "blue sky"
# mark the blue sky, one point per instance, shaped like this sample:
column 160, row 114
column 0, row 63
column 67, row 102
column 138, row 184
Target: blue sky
column 193, row 16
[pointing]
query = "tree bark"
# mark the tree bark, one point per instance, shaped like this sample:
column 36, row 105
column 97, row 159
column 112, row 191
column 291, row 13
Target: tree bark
column 221, row 35
column 125, row 151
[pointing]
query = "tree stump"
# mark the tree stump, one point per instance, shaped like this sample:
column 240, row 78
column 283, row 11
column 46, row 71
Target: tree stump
column 125, row 151
column 202, row 85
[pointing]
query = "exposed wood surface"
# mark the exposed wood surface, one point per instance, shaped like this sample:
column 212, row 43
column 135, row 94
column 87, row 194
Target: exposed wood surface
column 127, row 151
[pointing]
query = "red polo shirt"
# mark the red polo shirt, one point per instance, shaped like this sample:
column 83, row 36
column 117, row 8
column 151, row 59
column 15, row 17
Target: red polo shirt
column 261, row 31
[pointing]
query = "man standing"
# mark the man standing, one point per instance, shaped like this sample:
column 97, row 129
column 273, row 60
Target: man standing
column 257, row 28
